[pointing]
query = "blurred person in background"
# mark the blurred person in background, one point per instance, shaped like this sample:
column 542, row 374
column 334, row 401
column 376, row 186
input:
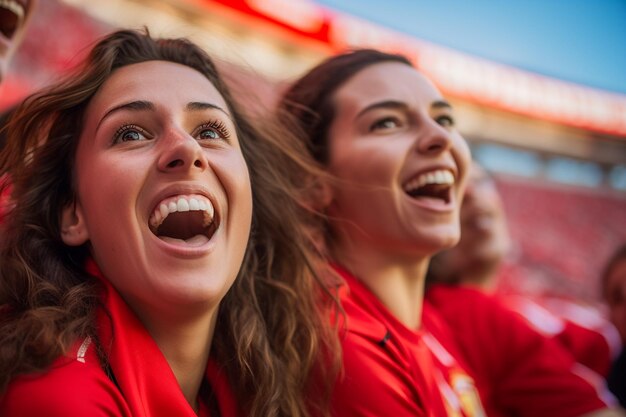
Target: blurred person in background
column 518, row 370
column 614, row 292
column 137, row 276
column 478, row 262
column 14, row 16
column 485, row 242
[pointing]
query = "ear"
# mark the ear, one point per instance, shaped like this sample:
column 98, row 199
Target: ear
column 321, row 195
column 73, row 228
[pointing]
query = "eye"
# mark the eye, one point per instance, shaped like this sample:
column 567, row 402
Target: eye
column 445, row 120
column 212, row 130
column 386, row 123
column 130, row 133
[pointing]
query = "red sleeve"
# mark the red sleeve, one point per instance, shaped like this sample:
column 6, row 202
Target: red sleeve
column 519, row 371
column 68, row 389
column 588, row 337
column 589, row 347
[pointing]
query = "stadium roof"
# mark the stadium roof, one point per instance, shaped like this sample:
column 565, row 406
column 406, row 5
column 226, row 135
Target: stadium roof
column 580, row 41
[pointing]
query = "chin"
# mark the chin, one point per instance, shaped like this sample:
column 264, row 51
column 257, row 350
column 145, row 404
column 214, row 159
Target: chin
column 433, row 245
column 448, row 240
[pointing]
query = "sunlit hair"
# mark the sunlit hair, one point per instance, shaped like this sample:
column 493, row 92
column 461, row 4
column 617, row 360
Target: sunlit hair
column 310, row 99
column 272, row 329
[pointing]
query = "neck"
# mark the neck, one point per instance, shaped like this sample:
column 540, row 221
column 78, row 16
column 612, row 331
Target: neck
column 186, row 346
column 396, row 280
column 482, row 278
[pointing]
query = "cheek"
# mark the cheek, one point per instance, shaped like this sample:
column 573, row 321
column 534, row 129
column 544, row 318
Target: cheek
column 462, row 155
column 239, row 195
column 107, row 190
column 102, row 179
column 234, row 176
column 462, row 147
column 364, row 165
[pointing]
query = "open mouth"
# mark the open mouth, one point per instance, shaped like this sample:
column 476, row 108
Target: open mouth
column 434, row 184
column 186, row 219
column 11, row 17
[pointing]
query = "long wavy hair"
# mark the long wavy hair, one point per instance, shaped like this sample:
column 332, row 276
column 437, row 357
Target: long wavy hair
column 273, row 331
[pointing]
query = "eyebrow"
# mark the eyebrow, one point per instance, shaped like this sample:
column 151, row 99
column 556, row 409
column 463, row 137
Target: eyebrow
column 387, row 104
column 197, row 105
column 142, row 105
column 139, row 105
column 394, row 104
column 440, row 104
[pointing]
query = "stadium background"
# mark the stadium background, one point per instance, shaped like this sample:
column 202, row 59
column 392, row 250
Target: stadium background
column 557, row 147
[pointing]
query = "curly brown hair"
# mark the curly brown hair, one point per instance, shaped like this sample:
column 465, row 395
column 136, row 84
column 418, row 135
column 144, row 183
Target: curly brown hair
column 273, row 331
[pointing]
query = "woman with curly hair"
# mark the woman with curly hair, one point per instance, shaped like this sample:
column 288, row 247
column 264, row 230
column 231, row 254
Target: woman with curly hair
column 151, row 262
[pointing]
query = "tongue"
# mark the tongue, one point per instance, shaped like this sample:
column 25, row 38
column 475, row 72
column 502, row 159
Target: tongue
column 432, row 192
column 195, row 241
column 431, row 201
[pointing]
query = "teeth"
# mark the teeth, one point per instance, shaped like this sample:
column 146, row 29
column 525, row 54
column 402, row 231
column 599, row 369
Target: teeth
column 440, row 176
column 181, row 203
column 13, row 6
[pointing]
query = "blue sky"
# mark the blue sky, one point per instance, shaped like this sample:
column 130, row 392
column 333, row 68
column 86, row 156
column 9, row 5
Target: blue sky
column 583, row 41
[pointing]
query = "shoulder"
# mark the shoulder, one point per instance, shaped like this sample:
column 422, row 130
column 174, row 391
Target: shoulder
column 382, row 373
column 72, row 386
column 378, row 380
column 364, row 322
column 460, row 306
column 457, row 297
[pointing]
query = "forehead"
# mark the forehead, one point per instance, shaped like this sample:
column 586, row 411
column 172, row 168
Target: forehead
column 386, row 81
column 161, row 82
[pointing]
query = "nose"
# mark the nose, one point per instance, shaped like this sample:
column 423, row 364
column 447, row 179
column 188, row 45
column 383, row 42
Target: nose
column 181, row 152
column 433, row 138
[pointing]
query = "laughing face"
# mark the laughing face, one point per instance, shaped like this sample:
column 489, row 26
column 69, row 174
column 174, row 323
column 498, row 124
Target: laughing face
column 13, row 17
column 163, row 191
column 484, row 237
column 400, row 161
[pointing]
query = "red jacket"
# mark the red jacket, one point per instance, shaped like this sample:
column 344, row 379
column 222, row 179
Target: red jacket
column 143, row 384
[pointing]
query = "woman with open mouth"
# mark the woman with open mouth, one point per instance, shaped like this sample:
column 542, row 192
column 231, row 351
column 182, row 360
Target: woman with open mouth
column 395, row 174
column 397, row 169
column 137, row 277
